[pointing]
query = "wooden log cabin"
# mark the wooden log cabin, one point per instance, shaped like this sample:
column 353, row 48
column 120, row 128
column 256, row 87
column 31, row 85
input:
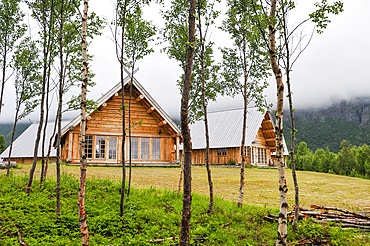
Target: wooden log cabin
column 225, row 130
column 155, row 138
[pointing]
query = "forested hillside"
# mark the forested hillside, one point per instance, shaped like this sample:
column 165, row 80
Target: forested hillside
column 6, row 129
column 328, row 126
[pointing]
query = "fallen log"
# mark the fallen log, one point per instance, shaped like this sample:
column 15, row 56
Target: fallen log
column 357, row 215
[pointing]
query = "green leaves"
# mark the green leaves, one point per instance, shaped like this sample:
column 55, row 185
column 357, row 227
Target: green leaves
column 138, row 34
column 320, row 16
column 26, row 64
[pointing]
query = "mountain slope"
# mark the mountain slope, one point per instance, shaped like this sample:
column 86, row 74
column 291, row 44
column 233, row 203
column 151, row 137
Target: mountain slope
column 328, row 126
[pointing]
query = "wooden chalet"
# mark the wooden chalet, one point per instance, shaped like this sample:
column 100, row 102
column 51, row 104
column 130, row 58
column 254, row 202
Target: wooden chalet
column 225, row 130
column 155, row 140
column 154, row 136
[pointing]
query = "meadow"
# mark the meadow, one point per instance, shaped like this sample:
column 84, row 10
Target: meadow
column 261, row 185
column 153, row 210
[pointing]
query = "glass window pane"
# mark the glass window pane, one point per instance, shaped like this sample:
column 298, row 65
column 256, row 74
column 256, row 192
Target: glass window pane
column 156, row 148
column 112, row 148
column 144, row 148
column 134, row 148
column 88, row 146
column 100, row 147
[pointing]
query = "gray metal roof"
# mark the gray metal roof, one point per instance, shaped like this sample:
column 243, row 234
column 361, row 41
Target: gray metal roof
column 23, row 146
column 225, row 128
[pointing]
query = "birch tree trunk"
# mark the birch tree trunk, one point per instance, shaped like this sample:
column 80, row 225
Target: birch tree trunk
column 129, row 131
column 59, row 113
column 242, row 168
column 82, row 135
column 122, row 199
column 186, row 207
column 13, row 133
column 294, row 174
column 4, row 71
column 282, row 229
column 209, row 175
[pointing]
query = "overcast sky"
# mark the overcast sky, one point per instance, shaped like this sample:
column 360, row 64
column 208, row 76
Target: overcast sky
column 333, row 67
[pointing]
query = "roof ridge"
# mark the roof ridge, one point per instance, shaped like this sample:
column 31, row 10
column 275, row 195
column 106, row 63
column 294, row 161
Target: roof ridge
column 225, row 110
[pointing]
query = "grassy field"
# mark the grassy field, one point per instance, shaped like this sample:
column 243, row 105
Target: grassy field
column 261, row 185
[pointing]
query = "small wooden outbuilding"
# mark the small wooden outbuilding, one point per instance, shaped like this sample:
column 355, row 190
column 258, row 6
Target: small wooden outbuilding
column 225, row 134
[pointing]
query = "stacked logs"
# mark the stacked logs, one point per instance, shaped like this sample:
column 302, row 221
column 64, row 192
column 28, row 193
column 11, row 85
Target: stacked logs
column 346, row 219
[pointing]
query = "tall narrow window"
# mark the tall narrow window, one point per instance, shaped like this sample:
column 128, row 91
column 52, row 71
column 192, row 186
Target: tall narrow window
column 156, row 145
column 100, row 147
column 252, row 153
column 259, row 155
column 88, row 146
column 135, row 148
column 144, row 148
column 112, row 148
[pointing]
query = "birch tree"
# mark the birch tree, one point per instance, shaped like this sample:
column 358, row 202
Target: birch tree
column 138, row 34
column 186, row 207
column 205, row 84
column 82, row 135
column 39, row 13
column 26, row 65
column 244, row 67
column 11, row 29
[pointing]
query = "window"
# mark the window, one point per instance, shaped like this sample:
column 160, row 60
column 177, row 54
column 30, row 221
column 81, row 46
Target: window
column 100, row 147
column 144, row 148
column 112, row 148
column 252, row 153
column 265, row 156
column 156, row 144
column 88, row 146
column 221, row 152
column 135, row 148
column 259, row 155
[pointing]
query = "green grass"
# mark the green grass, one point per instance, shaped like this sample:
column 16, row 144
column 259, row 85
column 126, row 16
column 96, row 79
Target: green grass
column 260, row 188
column 149, row 214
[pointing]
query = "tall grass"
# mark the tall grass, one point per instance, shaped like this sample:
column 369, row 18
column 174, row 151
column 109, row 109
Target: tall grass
column 149, row 214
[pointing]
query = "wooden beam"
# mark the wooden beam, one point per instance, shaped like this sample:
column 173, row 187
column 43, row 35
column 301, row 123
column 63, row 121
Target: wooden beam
column 139, row 98
column 268, row 131
column 151, row 109
column 266, row 121
column 162, row 123
column 270, row 139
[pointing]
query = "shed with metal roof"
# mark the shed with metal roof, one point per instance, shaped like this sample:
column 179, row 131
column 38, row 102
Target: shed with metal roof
column 225, row 137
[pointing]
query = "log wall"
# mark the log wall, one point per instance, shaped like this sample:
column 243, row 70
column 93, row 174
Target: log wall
column 107, row 121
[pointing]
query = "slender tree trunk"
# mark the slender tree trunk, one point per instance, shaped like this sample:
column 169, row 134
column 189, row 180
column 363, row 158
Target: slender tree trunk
column 82, row 135
column 282, row 229
column 122, row 199
column 186, row 207
column 209, row 175
column 294, row 174
column 44, row 166
column 50, row 145
column 242, row 152
column 59, row 113
column 13, row 133
column 180, row 179
column 42, row 104
column 4, row 71
column 44, row 133
column 129, row 132
column 123, row 128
